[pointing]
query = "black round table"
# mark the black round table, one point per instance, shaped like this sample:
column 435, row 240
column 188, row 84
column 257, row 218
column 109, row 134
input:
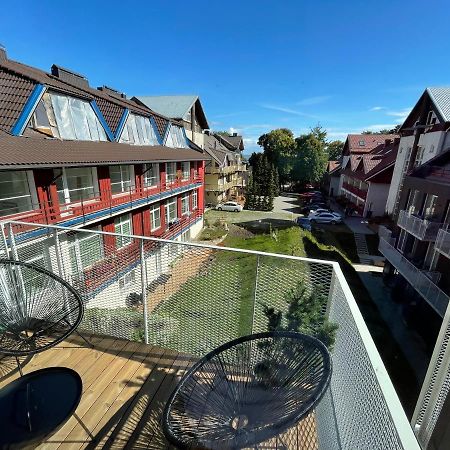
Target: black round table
column 247, row 391
column 36, row 405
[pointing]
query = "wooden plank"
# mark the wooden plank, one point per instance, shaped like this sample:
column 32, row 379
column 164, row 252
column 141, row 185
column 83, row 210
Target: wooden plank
column 133, row 415
column 57, row 356
column 118, row 407
column 92, row 407
column 148, row 431
column 90, row 373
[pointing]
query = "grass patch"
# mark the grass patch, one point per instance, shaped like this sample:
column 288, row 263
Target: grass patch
column 209, row 234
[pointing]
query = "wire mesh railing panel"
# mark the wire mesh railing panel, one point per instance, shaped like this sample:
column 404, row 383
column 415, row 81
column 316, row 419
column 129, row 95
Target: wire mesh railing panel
column 435, row 388
column 354, row 414
column 199, row 298
column 278, row 278
column 192, row 298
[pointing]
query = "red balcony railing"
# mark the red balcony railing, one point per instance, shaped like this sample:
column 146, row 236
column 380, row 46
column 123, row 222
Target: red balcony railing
column 354, row 190
column 49, row 213
column 116, row 258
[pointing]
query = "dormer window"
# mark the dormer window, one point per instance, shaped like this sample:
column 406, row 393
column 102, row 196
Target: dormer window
column 431, row 118
column 176, row 138
column 362, row 143
column 138, row 130
column 76, row 119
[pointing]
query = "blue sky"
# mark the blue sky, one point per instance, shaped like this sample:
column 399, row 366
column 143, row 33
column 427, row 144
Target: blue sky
column 257, row 65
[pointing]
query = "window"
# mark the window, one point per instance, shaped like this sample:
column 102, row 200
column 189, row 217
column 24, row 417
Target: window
column 175, row 137
column 151, row 175
column 85, row 249
column 171, row 211
column 138, row 130
column 40, row 118
column 127, row 280
column 186, row 170
column 362, row 143
column 76, row 119
column 194, row 200
column 120, row 178
column 185, row 204
column 419, row 156
column 15, row 194
column 171, row 172
column 412, row 202
column 155, row 217
column 430, row 206
column 75, row 184
column 122, row 225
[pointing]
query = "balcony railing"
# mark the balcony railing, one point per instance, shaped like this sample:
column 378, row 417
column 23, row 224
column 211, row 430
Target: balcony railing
column 108, row 203
column 191, row 298
column 228, row 169
column 442, row 244
column 425, row 230
column 417, row 278
column 361, row 193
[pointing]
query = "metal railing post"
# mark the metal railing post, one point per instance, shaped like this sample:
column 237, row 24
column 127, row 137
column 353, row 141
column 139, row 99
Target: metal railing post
column 144, row 290
column 4, row 239
column 59, row 261
column 12, row 242
column 255, row 294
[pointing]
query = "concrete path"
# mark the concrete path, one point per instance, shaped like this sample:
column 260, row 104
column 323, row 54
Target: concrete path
column 409, row 341
column 358, row 225
column 287, row 203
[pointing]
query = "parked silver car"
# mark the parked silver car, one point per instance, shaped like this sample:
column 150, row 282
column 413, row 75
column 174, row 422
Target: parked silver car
column 229, row 206
column 325, row 217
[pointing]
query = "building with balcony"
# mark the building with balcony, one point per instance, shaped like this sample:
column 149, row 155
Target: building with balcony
column 357, row 145
column 186, row 109
column 78, row 156
column 366, row 178
column 226, row 172
column 424, row 220
column 424, row 135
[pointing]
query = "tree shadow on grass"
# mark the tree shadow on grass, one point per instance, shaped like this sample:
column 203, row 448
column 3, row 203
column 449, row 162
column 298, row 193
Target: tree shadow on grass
column 264, row 226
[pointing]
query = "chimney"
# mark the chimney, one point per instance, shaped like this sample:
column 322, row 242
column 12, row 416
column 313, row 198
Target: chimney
column 112, row 92
column 69, row 76
column 387, row 142
column 207, row 132
column 3, row 55
column 396, row 141
column 234, row 134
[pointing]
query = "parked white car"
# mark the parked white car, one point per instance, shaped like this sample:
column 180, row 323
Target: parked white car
column 325, row 217
column 229, row 206
column 319, row 210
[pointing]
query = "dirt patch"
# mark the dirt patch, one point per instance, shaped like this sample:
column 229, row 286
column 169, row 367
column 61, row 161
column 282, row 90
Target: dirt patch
column 186, row 266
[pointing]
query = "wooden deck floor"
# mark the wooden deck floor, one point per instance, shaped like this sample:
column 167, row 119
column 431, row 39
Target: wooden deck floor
column 125, row 388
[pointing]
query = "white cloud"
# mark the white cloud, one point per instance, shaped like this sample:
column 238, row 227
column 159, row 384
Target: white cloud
column 286, row 110
column 314, row 100
column 378, row 127
column 401, row 115
column 377, row 108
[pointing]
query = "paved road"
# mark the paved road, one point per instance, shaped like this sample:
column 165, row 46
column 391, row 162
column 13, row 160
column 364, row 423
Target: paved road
column 287, row 203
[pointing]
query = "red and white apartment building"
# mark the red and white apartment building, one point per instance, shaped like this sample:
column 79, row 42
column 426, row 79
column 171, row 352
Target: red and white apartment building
column 88, row 158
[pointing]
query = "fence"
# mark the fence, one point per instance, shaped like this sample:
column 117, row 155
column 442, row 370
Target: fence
column 191, row 298
column 416, row 277
column 425, row 230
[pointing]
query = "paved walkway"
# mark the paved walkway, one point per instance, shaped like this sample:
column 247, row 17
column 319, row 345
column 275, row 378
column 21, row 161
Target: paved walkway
column 410, row 342
column 287, row 203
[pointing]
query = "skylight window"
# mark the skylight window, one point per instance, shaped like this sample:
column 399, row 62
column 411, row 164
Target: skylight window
column 138, row 130
column 175, row 138
column 76, row 119
column 362, row 143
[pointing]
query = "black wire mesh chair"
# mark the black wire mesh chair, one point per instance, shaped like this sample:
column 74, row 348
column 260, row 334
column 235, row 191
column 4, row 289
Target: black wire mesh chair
column 38, row 309
column 247, row 391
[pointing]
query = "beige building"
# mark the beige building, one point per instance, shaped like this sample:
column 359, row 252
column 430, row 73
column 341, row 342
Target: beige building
column 225, row 173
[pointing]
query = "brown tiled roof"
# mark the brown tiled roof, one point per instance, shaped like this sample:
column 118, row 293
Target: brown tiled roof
column 110, row 106
column 111, row 112
column 161, row 124
column 22, row 152
column 333, row 165
column 371, row 141
column 364, row 167
column 14, row 93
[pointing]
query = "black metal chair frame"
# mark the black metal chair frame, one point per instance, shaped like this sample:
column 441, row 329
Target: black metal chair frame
column 276, row 428
column 71, row 327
